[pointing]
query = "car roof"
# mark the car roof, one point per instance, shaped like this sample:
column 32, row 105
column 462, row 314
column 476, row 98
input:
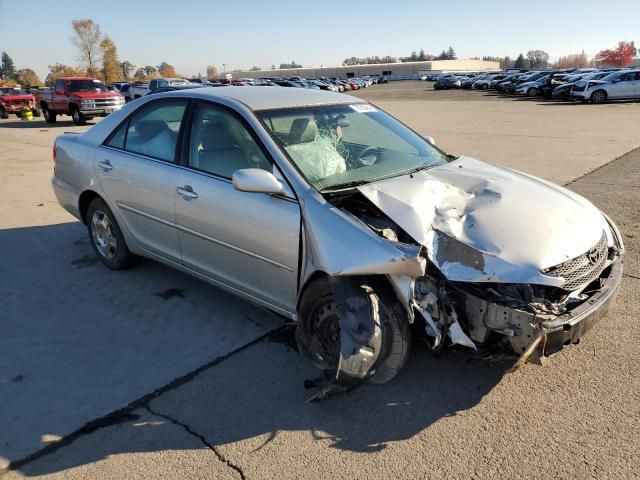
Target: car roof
column 262, row 98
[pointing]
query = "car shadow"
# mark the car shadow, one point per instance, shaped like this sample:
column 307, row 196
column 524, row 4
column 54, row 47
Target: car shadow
column 40, row 123
column 261, row 393
column 83, row 340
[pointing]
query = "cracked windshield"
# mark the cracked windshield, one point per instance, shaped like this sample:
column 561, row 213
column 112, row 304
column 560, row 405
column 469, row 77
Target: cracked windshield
column 341, row 146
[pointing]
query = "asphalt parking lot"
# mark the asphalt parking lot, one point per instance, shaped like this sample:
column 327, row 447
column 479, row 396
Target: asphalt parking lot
column 149, row 373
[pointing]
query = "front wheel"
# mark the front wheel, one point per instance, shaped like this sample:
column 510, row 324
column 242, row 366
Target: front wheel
column 106, row 237
column 599, row 96
column 78, row 118
column 318, row 331
column 3, row 114
column 532, row 92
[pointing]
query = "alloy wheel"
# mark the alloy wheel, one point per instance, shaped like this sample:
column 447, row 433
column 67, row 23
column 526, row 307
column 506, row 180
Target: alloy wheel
column 103, row 235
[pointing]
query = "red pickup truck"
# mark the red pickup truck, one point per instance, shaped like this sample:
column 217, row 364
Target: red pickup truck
column 13, row 100
column 81, row 97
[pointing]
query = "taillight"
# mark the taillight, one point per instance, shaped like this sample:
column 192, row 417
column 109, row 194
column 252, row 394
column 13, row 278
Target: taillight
column 54, row 152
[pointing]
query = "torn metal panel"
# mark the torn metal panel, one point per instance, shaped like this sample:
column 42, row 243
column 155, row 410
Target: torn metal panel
column 516, row 228
column 360, row 327
column 337, row 243
column 457, row 335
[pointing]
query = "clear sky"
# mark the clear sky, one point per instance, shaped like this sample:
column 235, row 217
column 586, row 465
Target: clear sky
column 191, row 34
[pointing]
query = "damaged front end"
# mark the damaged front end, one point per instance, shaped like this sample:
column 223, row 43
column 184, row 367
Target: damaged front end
column 457, row 252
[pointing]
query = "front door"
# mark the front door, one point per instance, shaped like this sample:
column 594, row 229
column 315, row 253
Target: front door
column 623, row 86
column 244, row 240
column 136, row 170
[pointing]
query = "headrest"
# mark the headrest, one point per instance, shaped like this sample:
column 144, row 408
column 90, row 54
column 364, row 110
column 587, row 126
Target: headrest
column 148, row 129
column 217, row 136
column 303, row 130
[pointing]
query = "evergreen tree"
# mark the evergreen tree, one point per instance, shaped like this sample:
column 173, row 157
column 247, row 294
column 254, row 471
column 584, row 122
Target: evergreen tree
column 7, row 68
column 520, row 62
column 451, row 54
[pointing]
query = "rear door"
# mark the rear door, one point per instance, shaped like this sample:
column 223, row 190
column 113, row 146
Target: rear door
column 136, row 169
column 247, row 241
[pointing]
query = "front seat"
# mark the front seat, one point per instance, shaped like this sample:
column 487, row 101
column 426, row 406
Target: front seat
column 303, row 130
column 219, row 152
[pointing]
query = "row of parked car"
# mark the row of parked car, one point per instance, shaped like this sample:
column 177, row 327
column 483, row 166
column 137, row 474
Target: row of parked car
column 131, row 91
column 584, row 84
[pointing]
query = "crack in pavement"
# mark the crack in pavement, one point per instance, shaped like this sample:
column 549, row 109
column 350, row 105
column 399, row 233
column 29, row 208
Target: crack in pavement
column 631, row 276
column 125, row 414
column 200, row 437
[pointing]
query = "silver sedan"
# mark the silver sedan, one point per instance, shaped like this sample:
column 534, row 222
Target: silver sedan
column 325, row 209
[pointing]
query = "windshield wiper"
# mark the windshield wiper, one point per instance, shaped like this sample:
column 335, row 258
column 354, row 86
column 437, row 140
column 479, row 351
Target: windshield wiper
column 345, row 185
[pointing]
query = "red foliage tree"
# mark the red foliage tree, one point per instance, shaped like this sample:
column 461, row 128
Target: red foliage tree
column 618, row 57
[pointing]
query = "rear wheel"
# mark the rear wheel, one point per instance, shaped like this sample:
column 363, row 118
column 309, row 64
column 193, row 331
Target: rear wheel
column 599, row 96
column 532, row 92
column 49, row 116
column 3, row 114
column 318, row 332
column 106, row 237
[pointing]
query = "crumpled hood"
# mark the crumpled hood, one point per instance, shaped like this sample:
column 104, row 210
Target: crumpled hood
column 484, row 223
column 25, row 96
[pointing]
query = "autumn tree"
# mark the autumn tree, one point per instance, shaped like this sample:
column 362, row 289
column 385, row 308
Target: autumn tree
column 212, row 72
column 150, row 71
column 538, row 59
column 111, row 71
column 140, row 75
column 87, row 37
column 28, row 78
column 126, row 68
column 621, row 56
column 167, row 71
column 60, row 70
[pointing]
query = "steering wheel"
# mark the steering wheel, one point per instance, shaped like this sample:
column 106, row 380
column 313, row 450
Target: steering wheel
column 368, row 152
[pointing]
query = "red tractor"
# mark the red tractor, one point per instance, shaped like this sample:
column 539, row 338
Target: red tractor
column 14, row 100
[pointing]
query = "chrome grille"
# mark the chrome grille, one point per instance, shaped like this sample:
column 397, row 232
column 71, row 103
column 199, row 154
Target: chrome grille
column 583, row 269
column 108, row 102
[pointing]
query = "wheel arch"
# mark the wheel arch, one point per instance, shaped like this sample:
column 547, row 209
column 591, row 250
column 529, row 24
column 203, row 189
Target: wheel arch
column 84, row 201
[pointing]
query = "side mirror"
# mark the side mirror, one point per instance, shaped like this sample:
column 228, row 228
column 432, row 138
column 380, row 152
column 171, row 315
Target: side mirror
column 430, row 140
column 256, row 180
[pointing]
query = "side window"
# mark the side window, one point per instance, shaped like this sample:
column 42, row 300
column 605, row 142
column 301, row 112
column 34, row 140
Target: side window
column 221, row 144
column 153, row 131
column 117, row 139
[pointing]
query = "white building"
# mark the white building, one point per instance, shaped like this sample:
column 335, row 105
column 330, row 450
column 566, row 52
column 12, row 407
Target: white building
column 394, row 71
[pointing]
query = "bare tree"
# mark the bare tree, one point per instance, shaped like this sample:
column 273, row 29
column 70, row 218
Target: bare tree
column 212, row 72
column 86, row 38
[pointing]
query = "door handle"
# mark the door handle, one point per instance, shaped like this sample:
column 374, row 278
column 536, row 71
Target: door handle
column 105, row 165
column 187, row 192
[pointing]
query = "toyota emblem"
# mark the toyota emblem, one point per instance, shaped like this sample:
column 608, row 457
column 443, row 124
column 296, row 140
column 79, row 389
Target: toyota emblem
column 594, row 256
